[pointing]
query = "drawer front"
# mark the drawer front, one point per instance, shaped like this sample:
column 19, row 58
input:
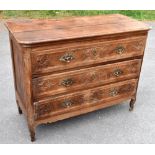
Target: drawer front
column 85, row 78
column 91, row 97
column 66, row 58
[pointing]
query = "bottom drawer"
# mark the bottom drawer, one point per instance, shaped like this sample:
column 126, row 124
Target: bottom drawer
column 87, row 98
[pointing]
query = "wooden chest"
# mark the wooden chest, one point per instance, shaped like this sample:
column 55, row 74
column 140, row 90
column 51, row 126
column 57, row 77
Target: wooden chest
column 64, row 68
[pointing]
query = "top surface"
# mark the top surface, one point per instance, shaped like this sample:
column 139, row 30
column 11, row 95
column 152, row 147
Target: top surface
column 46, row 30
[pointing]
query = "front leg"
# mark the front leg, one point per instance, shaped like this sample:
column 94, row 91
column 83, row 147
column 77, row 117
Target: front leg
column 19, row 110
column 32, row 132
column 131, row 104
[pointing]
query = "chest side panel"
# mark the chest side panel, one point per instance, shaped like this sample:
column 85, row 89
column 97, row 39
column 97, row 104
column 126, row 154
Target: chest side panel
column 18, row 62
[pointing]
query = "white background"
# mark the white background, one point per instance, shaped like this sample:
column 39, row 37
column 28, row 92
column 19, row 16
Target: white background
column 77, row 4
column 72, row 149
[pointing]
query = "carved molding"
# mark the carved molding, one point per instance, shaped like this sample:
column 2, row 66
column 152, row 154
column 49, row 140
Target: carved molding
column 43, row 85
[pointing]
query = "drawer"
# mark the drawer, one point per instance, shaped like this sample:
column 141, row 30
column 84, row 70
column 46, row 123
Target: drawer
column 84, row 99
column 71, row 57
column 85, row 78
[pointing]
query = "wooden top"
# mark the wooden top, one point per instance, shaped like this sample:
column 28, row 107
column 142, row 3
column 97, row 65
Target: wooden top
column 45, row 30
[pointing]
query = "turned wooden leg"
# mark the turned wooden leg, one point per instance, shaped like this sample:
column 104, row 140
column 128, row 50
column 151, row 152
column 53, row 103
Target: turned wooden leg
column 32, row 133
column 131, row 104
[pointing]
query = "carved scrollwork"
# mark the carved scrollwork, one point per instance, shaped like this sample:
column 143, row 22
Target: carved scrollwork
column 44, row 109
column 90, row 53
column 134, row 68
column 96, row 95
column 138, row 45
column 93, row 76
column 44, row 85
column 126, row 88
column 42, row 61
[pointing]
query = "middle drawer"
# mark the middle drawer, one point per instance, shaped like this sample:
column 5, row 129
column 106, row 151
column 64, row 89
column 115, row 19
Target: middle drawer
column 85, row 78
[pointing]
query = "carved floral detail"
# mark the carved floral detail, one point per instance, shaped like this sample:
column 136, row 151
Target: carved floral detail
column 138, row 45
column 43, row 109
column 42, row 61
column 93, row 76
column 96, row 95
column 126, row 88
column 134, row 68
column 89, row 53
column 44, row 85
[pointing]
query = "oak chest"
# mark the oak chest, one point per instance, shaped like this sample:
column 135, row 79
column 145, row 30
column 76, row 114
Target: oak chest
column 64, row 68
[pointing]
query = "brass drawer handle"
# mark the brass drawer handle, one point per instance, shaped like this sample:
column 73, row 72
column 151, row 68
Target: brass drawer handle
column 113, row 92
column 67, row 57
column 117, row 72
column 67, row 103
column 67, row 82
column 120, row 50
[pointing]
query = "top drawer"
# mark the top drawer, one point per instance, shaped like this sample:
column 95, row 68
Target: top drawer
column 65, row 58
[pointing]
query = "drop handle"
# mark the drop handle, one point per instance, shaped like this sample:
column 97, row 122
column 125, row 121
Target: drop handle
column 67, row 103
column 67, row 82
column 66, row 58
column 113, row 92
column 117, row 72
column 120, row 50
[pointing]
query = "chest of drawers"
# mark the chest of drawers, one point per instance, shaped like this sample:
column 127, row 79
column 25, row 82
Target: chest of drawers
column 64, row 68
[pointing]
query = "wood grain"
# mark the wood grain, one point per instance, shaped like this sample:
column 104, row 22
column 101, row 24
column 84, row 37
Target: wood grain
column 30, row 32
column 64, row 68
column 49, row 60
column 90, row 97
column 85, row 78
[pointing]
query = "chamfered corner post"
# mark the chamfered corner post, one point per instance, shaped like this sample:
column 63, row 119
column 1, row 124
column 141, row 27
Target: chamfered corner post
column 133, row 100
column 13, row 67
column 28, row 84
